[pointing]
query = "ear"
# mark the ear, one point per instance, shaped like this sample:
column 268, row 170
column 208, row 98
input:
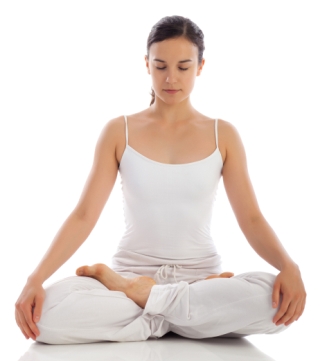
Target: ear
column 200, row 68
column 147, row 64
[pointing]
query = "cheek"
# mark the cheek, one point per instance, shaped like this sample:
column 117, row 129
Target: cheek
column 190, row 81
column 158, row 79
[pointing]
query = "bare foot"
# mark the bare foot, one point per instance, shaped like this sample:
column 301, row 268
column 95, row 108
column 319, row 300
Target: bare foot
column 138, row 288
column 221, row 275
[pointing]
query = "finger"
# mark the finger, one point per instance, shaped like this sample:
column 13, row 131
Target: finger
column 282, row 310
column 24, row 326
column 304, row 303
column 27, row 313
column 302, row 310
column 27, row 338
column 19, row 324
column 20, row 320
column 296, row 315
column 275, row 294
column 37, row 309
column 289, row 314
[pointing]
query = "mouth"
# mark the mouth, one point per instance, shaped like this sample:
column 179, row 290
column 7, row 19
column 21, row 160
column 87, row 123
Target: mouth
column 171, row 91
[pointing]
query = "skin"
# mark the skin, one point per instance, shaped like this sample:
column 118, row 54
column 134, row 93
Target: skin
column 166, row 132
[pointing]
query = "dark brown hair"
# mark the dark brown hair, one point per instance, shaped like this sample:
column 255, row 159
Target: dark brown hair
column 173, row 27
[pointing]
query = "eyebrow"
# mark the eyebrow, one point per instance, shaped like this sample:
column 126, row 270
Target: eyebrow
column 181, row 61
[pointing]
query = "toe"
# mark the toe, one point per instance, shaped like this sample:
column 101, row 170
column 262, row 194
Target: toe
column 99, row 269
column 226, row 275
column 212, row 276
column 83, row 271
column 221, row 275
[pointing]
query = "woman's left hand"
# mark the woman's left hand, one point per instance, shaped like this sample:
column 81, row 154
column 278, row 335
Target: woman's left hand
column 288, row 283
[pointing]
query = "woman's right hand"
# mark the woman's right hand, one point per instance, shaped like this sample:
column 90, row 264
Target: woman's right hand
column 28, row 308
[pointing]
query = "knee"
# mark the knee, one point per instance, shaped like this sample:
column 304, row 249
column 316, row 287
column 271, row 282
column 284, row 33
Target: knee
column 50, row 336
column 277, row 329
column 265, row 311
column 53, row 315
column 49, row 333
column 268, row 326
column 263, row 279
column 267, row 278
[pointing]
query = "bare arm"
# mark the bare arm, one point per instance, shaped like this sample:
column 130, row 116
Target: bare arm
column 243, row 201
column 266, row 244
column 84, row 217
column 75, row 229
column 257, row 230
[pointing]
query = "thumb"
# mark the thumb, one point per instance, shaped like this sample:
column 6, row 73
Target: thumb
column 37, row 308
column 276, row 293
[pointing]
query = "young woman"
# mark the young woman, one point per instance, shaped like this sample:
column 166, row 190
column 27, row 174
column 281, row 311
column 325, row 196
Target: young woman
column 166, row 274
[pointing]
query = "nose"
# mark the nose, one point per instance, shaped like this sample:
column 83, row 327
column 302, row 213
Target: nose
column 171, row 77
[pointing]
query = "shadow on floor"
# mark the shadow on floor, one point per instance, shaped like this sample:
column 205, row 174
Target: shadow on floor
column 170, row 347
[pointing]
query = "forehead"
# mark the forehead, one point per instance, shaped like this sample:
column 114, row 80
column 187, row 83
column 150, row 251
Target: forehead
column 173, row 50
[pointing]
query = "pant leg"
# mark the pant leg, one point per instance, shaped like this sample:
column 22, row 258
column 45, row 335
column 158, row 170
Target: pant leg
column 240, row 305
column 82, row 310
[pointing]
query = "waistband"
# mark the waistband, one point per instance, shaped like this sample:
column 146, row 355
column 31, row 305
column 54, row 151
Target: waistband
column 127, row 261
column 125, row 257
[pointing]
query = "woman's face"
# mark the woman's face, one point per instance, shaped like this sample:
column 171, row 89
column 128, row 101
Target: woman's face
column 173, row 64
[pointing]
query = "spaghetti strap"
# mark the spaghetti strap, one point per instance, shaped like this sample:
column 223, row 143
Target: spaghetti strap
column 126, row 130
column 216, row 133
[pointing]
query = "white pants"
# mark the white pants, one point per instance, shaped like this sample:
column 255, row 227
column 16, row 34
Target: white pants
column 82, row 310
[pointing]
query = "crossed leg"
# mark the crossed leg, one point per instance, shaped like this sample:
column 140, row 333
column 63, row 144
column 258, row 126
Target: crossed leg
column 240, row 306
column 137, row 289
column 104, row 306
column 83, row 310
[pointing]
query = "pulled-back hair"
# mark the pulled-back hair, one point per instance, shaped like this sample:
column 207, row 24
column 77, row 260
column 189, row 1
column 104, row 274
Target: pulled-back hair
column 176, row 26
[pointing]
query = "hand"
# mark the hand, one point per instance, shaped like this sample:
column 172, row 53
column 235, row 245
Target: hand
column 289, row 283
column 28, row 309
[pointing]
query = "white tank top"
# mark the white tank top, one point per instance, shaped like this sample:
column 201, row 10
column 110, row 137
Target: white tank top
column 168, row 211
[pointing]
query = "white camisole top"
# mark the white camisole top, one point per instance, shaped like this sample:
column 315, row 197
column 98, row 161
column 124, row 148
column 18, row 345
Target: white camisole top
column 168, row 213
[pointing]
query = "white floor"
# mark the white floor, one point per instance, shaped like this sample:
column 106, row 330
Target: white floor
column 296, row 343
column 170, row 347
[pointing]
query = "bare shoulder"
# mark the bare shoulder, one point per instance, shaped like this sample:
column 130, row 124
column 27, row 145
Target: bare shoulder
column 236, row 179
column 114, row 135
column 235, row 154
column 113, row 128
column 228, row 138
column 227, row 129
column 103, row 173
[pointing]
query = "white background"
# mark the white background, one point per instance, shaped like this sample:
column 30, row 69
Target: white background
column 67, row 67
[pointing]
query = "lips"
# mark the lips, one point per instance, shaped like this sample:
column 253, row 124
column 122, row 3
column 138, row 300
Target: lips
column 171, row 91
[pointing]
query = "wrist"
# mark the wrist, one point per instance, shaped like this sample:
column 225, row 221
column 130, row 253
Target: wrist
column 35, row 278
column 291, row 265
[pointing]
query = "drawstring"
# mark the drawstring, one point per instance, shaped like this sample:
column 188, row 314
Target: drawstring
column 164, row 268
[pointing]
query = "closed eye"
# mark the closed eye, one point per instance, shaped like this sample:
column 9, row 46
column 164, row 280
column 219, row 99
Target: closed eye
column 165, row 68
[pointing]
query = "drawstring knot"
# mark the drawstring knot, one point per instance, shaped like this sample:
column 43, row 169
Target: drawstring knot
column 163, row 269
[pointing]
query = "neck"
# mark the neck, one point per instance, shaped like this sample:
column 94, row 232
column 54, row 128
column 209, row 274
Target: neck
column 171, row 114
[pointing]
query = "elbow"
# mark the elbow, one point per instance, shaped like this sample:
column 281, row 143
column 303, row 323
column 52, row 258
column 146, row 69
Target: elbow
column 250, row 221
column 85, row 216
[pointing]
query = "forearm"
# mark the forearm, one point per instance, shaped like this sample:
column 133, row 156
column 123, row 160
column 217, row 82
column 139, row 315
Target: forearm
column 68, row 239
column 266, row 244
